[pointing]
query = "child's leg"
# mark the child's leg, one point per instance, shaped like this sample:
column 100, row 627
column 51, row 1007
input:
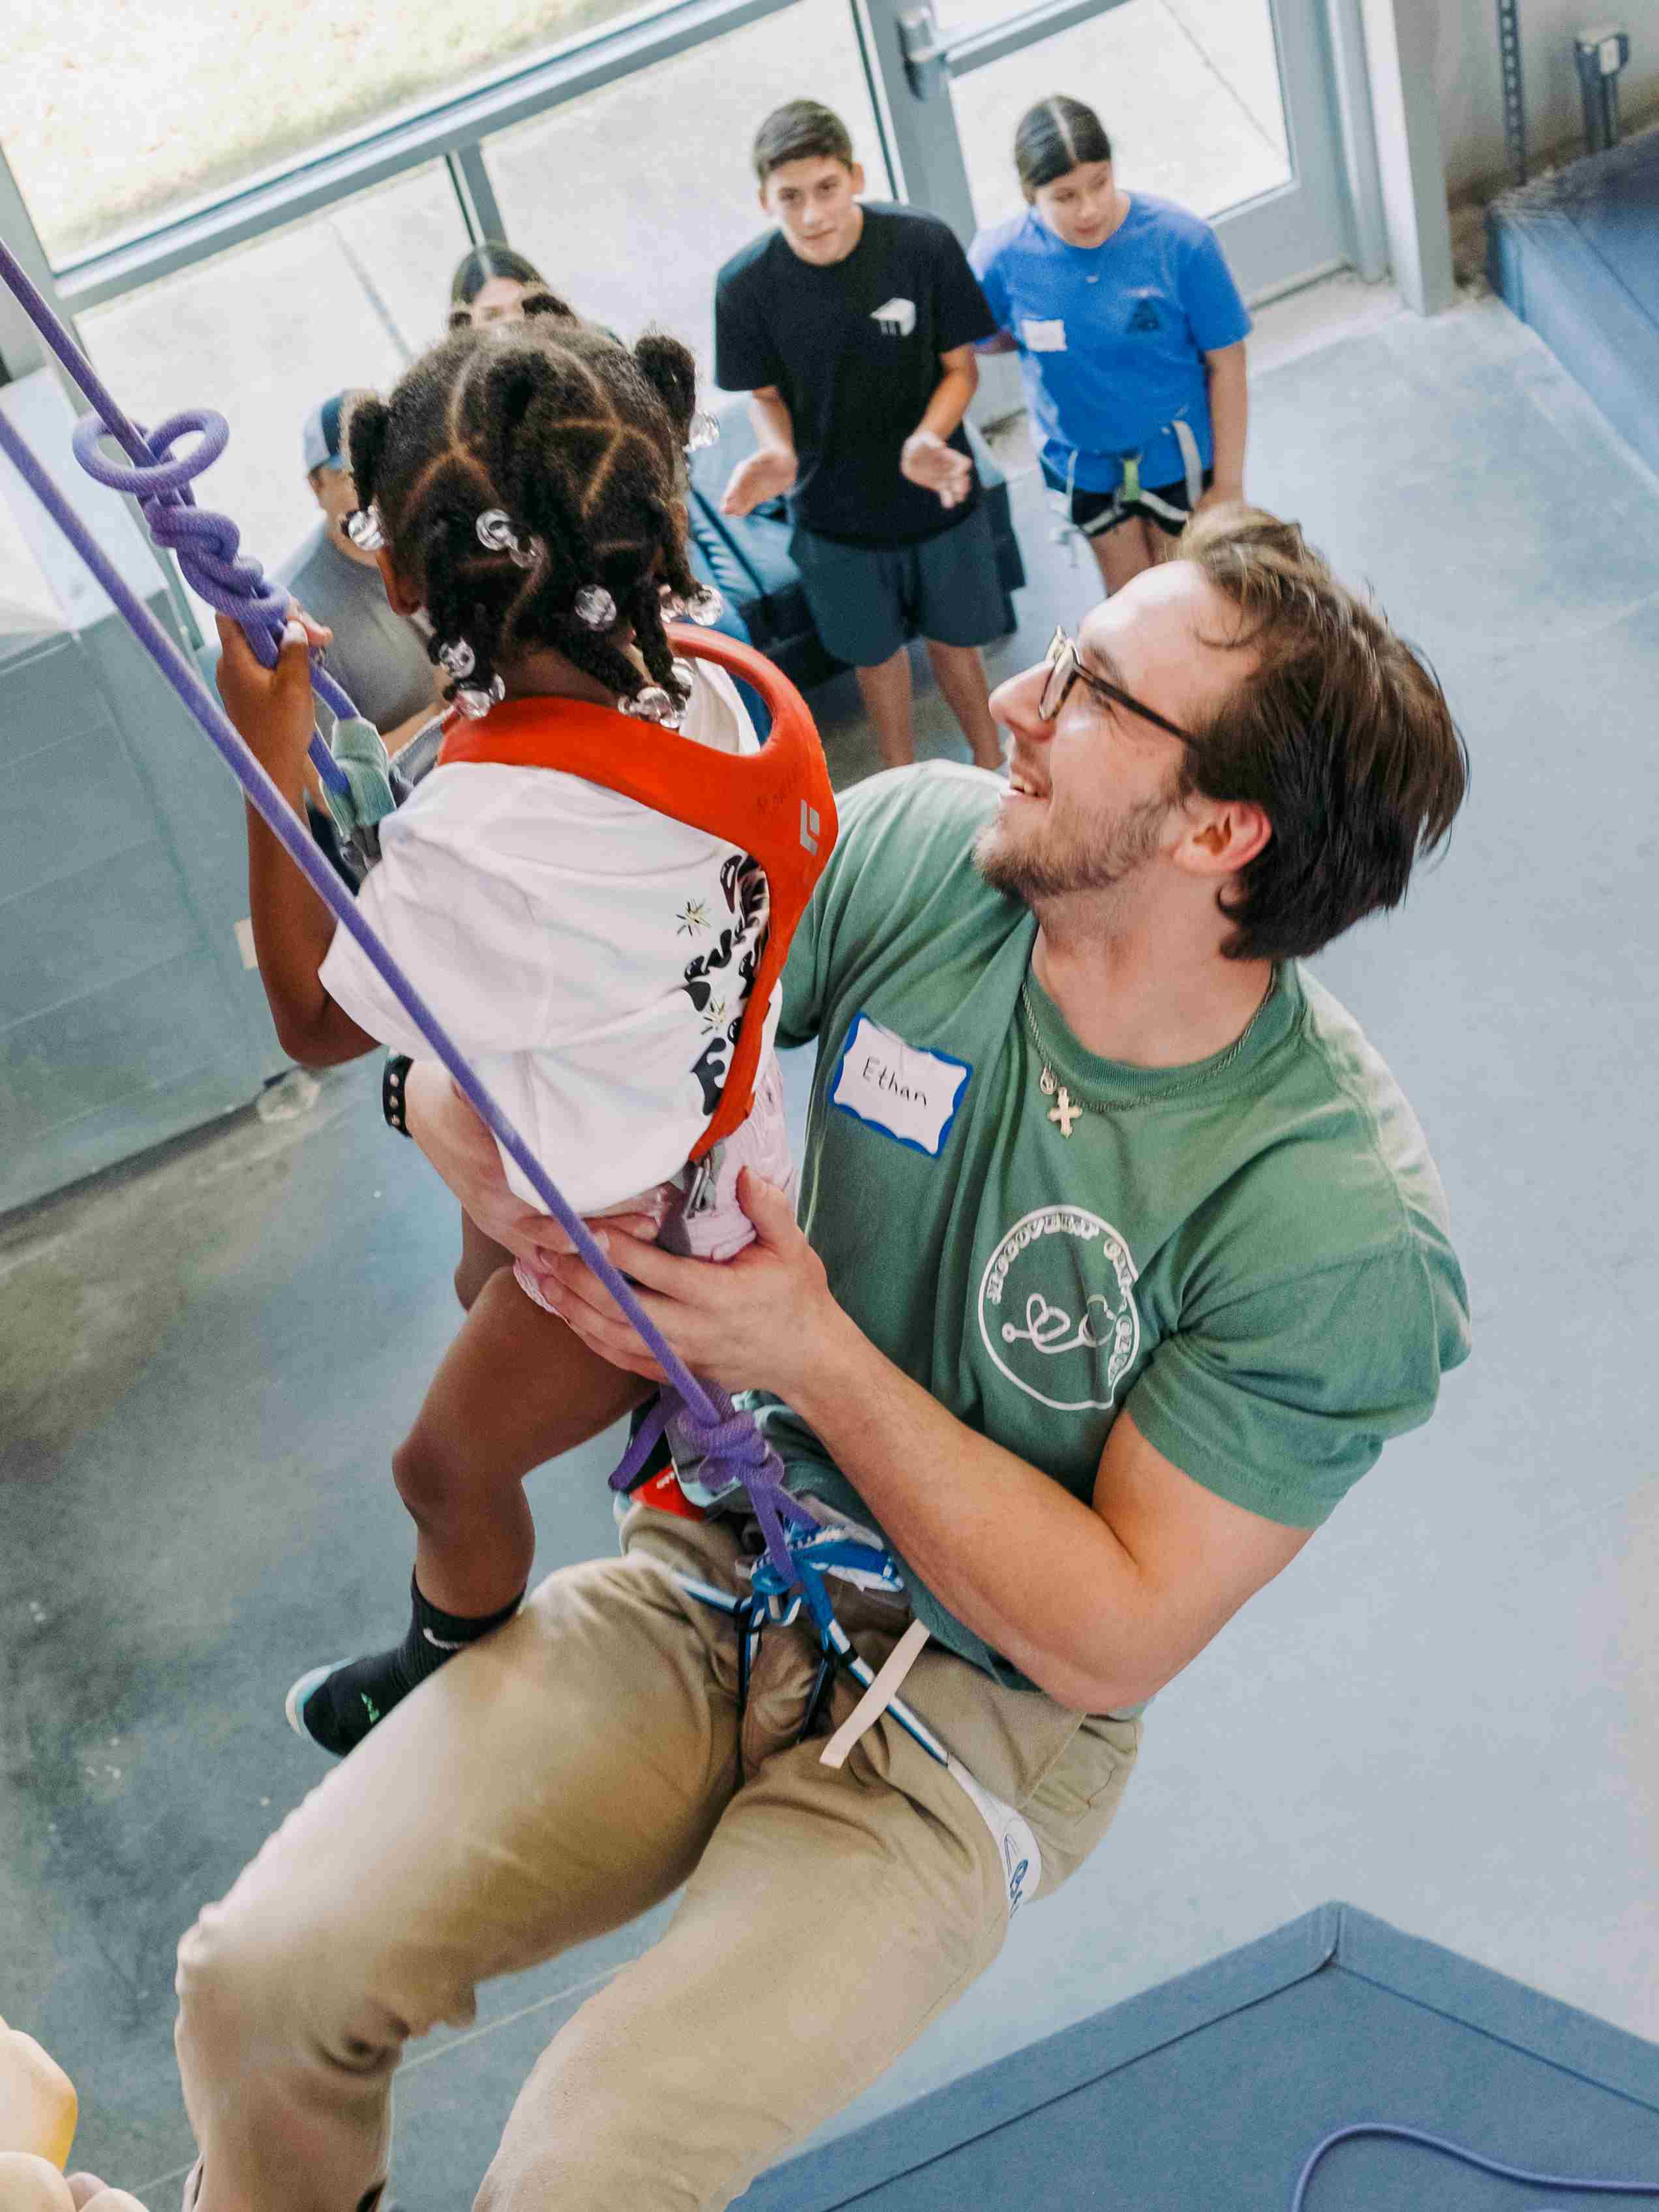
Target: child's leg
column 481, row 1256
column 515, row 1388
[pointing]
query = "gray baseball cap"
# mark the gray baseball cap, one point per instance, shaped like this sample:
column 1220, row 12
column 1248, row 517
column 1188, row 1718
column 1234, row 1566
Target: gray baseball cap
column 322, row 436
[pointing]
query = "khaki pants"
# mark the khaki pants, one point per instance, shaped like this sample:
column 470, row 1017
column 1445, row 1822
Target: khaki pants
column 552, row 1783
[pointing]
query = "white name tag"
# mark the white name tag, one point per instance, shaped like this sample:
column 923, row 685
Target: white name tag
column 1043, row 338
column 898, row 1088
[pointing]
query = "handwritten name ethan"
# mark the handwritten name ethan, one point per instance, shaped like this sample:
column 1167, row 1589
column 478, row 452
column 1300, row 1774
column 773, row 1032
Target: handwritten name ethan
column 903, row 1089
column 879, row 1072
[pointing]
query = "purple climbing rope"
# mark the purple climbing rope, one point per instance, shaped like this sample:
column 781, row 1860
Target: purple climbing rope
column 207, row 547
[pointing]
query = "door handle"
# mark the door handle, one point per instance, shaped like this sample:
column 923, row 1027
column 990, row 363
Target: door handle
column 925, row 69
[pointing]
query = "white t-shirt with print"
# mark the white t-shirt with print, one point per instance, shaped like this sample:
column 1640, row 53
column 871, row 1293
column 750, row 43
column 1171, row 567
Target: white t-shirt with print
column 589, row 956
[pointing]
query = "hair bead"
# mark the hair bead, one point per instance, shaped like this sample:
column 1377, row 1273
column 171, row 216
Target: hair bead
column 363, row 529
column 594, row 606
column 475, row 700
column 652, row 704
column 497, row 535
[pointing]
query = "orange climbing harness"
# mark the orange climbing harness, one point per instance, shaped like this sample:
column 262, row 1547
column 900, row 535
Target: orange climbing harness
column 776, row 803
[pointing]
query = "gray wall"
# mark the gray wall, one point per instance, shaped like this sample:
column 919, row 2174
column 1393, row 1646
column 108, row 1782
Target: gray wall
column 1465, row 36
column 126, row 1014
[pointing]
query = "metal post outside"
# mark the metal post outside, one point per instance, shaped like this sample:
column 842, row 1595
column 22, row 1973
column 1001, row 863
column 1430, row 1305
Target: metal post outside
column 1514, row 106
column 480, row 210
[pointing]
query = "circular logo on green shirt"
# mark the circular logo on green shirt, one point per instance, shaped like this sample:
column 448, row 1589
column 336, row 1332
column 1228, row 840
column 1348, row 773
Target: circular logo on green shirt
column 1059, row 1317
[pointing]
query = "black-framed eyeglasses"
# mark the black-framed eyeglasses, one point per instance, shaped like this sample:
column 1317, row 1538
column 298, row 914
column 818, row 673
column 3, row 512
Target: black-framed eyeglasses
column 1065, row 669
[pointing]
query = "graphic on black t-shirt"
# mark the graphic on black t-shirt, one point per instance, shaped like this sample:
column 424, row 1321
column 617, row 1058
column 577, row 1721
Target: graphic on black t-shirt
column 896, row 316
column 718, row 981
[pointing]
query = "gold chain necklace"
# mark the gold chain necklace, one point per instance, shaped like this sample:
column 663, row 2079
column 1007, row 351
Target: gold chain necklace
column 1066, row 1109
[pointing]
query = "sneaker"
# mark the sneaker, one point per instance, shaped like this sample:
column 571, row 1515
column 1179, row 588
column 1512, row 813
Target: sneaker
column 293, row 1704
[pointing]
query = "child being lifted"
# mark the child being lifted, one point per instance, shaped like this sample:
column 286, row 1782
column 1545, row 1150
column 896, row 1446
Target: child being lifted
column 591, row 954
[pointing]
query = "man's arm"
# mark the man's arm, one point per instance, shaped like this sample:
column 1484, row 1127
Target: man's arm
column 770, row 471
column 1230, row 416
column 927, row 459
column 1101, row 1604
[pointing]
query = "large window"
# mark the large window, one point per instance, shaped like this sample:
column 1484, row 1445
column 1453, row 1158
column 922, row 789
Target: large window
column 1188, row 89
column 629, row 200
column 266, row 332
column 114, row 116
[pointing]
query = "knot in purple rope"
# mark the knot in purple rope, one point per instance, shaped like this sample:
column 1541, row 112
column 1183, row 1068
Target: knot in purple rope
column 731, row 1444
column 208, row 544
column 734, row 1442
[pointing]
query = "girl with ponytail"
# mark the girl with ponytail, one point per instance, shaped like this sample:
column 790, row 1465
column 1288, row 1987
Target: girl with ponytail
column 1130, row 337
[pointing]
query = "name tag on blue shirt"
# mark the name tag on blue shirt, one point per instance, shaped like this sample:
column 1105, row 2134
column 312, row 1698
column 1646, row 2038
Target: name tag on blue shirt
column 905, row 1092
column 1043, row 337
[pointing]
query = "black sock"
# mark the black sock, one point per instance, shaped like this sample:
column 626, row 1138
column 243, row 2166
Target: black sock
column 341, row 1710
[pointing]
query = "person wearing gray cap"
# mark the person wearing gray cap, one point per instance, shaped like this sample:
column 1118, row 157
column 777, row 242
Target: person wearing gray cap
column 380, row 657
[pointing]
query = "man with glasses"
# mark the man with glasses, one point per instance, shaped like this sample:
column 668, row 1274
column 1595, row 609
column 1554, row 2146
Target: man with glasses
column 1121, row 1257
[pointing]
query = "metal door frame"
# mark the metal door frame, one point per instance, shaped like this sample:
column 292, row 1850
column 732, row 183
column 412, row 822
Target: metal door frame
column 1324, row 82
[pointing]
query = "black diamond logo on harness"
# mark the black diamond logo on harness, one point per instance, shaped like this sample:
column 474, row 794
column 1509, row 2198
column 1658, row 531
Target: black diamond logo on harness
column 1146, row 318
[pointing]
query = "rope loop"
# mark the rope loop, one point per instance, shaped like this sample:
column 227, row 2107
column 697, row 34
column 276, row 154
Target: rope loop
column 168, row 472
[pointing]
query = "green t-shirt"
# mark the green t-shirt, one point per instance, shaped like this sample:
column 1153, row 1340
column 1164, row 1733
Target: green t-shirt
column 1260, row 1266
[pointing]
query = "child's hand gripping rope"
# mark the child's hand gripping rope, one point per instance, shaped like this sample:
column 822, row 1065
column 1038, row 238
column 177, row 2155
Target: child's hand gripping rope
column 273, row 708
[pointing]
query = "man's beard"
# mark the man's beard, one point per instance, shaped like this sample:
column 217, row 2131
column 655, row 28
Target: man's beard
column 1097, row 857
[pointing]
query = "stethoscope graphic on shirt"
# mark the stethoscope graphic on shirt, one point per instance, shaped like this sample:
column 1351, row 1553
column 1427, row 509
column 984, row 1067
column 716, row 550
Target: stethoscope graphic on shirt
column 1046, row 1327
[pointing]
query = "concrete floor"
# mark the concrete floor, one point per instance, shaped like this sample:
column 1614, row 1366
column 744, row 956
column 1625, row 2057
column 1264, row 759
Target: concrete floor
column 1448, row 1709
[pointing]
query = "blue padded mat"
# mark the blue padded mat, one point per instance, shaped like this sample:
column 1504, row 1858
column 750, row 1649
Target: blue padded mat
column 1577, row 255
column 1212, row 2090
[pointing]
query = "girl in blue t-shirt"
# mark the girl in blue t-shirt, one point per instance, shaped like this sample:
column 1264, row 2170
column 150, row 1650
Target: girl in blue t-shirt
column 1131, row 334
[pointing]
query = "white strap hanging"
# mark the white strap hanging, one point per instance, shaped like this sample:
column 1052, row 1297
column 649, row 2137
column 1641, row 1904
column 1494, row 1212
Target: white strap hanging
column 877, row 1699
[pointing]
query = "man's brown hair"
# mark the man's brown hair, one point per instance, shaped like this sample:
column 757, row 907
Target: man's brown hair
column 1341, row 733
column 800, row 130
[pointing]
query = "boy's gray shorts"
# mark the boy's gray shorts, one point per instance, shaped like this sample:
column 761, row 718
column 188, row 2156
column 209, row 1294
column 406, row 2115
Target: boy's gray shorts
column 867, row 600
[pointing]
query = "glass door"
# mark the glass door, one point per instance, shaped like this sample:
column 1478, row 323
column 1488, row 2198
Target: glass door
column 1226, row 107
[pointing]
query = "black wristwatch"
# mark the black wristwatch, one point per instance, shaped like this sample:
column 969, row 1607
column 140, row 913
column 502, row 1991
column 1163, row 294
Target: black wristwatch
column 394, row 1078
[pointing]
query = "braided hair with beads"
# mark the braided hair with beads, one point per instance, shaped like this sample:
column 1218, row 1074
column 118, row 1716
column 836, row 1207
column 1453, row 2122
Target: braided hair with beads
column 570, row 449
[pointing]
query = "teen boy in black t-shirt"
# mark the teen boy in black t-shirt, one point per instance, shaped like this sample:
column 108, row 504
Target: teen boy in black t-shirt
column 853, row 330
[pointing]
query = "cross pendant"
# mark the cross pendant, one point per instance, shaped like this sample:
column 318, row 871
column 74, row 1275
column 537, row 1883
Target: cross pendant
column 1065, row 1112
